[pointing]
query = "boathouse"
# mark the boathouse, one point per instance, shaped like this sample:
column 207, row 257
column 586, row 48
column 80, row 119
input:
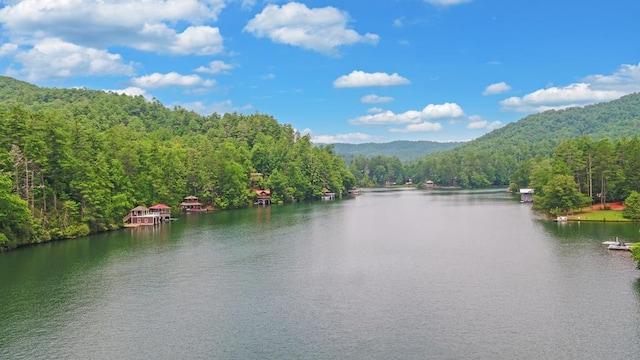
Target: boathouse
column 327, row 195
column 263, row 197
column 162, row 210
column 141, row 215
column 526, row 195
column 428, row 184
column 191, row 203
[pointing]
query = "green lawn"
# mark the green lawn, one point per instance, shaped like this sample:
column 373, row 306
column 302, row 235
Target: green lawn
column 599, row 215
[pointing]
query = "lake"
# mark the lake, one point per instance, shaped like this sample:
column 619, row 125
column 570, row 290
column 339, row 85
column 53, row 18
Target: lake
column 390, row 274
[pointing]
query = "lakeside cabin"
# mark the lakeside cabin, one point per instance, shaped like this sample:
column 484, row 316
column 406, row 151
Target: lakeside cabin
column 327, row 195
column 263, row 197
column 191, row 203
column 428, row 184
column 141, row 215
column 162, row 210
column 526, row 195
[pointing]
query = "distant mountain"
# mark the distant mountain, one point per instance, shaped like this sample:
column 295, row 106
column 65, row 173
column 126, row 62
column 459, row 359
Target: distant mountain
column 493, row 157
column 403, row 150
column 540, row 133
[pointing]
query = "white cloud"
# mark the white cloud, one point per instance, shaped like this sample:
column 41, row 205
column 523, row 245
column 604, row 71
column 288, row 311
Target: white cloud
column 340, row 138
column 626, row 79
column 53, row 58
column 421, row 127
column 8, row 49
column 375, row 110
column 430, row 112
column 578, row 94
column 375, row 99
column 476, row 122
column 157, row 80
column 131, row 91
column 149, row 25
column 447, row 2
column 497, row 88
column 318, row 29
column 362, row 79
column 216, row 67
column 592, row 89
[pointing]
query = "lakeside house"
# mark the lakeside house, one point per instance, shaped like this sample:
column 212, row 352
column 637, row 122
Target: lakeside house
column 526, row 195
column 328, row 195
column 162, row 210
column 141, row 215
column 428, row 184
column 191, row 203
column 262, row 196
column 354, row 191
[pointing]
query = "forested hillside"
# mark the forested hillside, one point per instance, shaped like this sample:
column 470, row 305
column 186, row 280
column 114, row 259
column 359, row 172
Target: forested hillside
column 403, row 150
column 491, row 159
column 75, row 161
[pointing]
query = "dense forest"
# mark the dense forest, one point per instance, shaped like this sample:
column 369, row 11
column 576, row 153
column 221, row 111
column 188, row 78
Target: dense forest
column 496, row 159
column 402, row 150
column 75, row 161
column 491, row 159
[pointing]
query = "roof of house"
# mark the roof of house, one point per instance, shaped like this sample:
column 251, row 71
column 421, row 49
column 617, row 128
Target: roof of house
column 140, row 208
column 160, row 207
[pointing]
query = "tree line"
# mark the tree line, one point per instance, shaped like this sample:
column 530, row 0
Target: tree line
column 74, row 162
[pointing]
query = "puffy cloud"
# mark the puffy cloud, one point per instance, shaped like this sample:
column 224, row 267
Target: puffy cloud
column 8, row 49
column 593, row 88
column 131, row 91
column 626, row 79
column 375, row 99
column 70, row 59
column 421, row 127
column 216, row 67
column 375, row 110
column 157, row 80
column 497, row 88
column 143, row 25
column 341, row 138
column 430, row 112
column 578, row 94
column 318, row 29
column 476, row 122
column 362, row 79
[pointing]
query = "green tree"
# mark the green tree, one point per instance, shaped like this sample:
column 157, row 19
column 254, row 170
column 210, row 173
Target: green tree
column 15, row 219
column 560, row 196
column 632, row 206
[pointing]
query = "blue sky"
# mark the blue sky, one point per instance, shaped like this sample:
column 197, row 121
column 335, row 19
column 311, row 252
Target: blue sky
column 343, row 71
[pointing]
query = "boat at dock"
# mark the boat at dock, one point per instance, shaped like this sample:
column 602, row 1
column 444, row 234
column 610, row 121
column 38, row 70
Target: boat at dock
column 619, row 246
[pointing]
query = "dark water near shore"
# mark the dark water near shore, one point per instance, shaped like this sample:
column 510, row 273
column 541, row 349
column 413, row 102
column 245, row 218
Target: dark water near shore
column 403, row 274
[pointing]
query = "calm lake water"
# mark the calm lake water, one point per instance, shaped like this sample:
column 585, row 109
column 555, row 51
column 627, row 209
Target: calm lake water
column 404, row 274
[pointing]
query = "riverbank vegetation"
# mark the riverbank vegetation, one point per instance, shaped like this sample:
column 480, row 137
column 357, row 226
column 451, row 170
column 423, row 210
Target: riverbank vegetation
column 73, row 161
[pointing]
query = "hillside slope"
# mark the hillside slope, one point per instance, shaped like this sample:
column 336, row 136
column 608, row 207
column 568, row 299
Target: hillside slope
column 403, row 150
column 490, row 159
